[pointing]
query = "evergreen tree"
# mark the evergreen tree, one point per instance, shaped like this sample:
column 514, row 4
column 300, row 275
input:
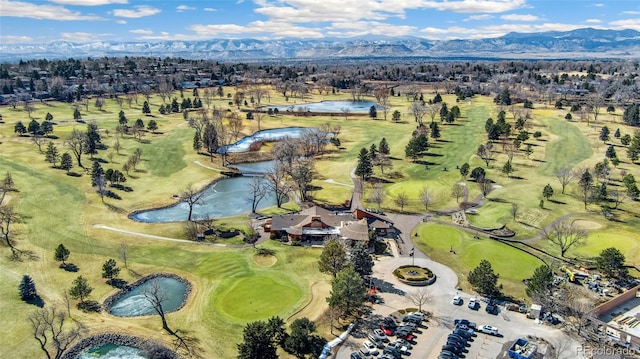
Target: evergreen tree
column 80, row 289
column 507, row 168
column 383, row 147
column 66, row 162
column 122, row 119
column 364, row 169
column 34, row 127
column 611, row 262
column 51, row 154
column 547, row 191
column 96, row 172
column 152, row 126
column 617, row 133
column 540, row 284
column 61, row 254
column 611, row 152
column 76, row 114
column 373, row 112
column 484, row 279
column 257, row 342
column 110, row 269
column 360, row 260
column 27, row 289
column 604, row 134
column 145, row 108
column 435, row 130
column 464, row 170
column 19, row 128
column 347, row 292
column 333, row 258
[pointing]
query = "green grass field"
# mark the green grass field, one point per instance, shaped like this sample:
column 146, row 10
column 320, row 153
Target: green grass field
column 230, row 288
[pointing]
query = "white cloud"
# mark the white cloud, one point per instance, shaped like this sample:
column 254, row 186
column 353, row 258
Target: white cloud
column 34, row 11
column 210, row 9
column 493, row 30
column 633, row 24
column 82, row 36
column 593, row 21
column 141, row 31
column 599, row 5
column 182, row 8
column 13, row 39
column 271, row 28
column 360, row 28
column 121, row 22
column 470, row 6
column 479, row 17
column 140, row 11
column 89, row 2
column 631, row 12
column 519, row 17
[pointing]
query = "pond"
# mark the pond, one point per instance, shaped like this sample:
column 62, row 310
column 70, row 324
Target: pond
column 112, row 351
column 328, row 107
column 135, row 303
column 275, row 134
column 224, row 198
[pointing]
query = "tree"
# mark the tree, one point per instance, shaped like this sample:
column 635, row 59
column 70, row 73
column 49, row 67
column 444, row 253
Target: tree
column 61, row 254
column 611, row 263
column 276, row 183
column 27, row 289
column 458, row 191
column 152, row 126
column 76, row 114
column 34, row 127
column 419, row 297
column 478, row 174
column 364, row 168
column 540, row 285
column 333, row 258
column 547, row 191
column 302, row 341
column 347, row 292
column 464, row 170
column 19, row 128
column 585, row 184
column 514, row 210
column 156, row 298
column 49, row 329
column 51, row 154
column 396, row 116
column 257, row 190
column 435, row 130
column 373, row 112
column 66, row 162
column 486, row 153
column 564, row 175
column 96, row 173
column 110, row 270
column 426, row 197
column 604, row 134
column 383, row 147
column 360, row 260
column 145, row 108
column 611, row 153
column 191, row 197
column 257, row 343
column 564, row 235
column 483, row 279
column 401, row 200
column 80, row 289
column 77, row 142
column 210, row 139
column 528, row 151
column 507, row 168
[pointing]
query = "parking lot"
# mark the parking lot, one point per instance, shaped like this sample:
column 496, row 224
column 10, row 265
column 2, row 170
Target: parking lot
column 429, row 340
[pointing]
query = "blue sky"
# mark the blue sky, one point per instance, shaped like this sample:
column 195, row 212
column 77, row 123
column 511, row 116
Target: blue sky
column 37, row 21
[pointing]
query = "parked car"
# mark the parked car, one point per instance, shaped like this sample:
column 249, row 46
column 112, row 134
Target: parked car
column 492, row 308
column 403, row 342
column 464, row 333
column 457, row 300
column 452, row 348
column 403, row 349
column 412, row 319
column 405, row 334
column 386, row 356
column 412, row 327
column 389, row 322
column 487, row 329
column 370, row 348
column 391, row 350
column 466, row 329
column 474, row 304
column 448, row 355
column 459, row 339
column 377, row 342
column 355, row 355
column 387, row 330
column 379, row 334
column 466, row 322
column 457, row 344
column 420, row 315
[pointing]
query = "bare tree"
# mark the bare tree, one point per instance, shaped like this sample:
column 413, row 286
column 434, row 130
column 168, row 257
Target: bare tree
column 191, row 197
column 48, row 328
column 276, row 181
column 486, row 153
column 401, row 200
column 426, row 198
column 419, row 297
column 580, row 305
column 564, row 175
column 433, row 110
column 564, row 235
column 485, row 186
column 235, row 125
column 514, row 210
column 157, row 297
column 77, row 142
column 8, row 216
column 458, row 191
column 257, row 190
column 377, row 195
column 418, row 110
column 124, row 255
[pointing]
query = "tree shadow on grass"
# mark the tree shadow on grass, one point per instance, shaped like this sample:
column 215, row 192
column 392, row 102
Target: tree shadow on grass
column 90, row 306
column 37, row 301
column 74, row 174
column 70, row 267
column 556, row 201
column 117, row 283
column 114, row 208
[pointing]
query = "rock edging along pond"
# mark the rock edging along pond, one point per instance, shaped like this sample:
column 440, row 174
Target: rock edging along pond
column 151, row 349
column 110, row 301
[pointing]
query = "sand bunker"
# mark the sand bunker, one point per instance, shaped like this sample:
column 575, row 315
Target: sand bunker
column 585, row 224
column 264, row 261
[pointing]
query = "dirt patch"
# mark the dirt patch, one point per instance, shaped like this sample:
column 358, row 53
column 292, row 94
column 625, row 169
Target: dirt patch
column 264, row 261
column 585, row 224
column 317, row 303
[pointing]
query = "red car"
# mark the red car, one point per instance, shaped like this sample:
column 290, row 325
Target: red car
column 387, row 331
column 405, row 335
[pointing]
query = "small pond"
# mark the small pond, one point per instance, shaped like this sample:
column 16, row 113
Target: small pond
column 328, row 107
column 224, row 198
column 134, row 303
column 112, row 351
column 275, row 134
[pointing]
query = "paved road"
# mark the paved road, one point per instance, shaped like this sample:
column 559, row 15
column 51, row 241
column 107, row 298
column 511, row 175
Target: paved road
column 512, row 325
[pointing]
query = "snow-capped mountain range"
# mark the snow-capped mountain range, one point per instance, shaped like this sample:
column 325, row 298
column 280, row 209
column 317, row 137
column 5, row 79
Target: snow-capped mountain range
column 577, row 44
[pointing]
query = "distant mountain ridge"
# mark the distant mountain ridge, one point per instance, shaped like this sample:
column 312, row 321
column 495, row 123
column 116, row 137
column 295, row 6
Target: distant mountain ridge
column 576, row 44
